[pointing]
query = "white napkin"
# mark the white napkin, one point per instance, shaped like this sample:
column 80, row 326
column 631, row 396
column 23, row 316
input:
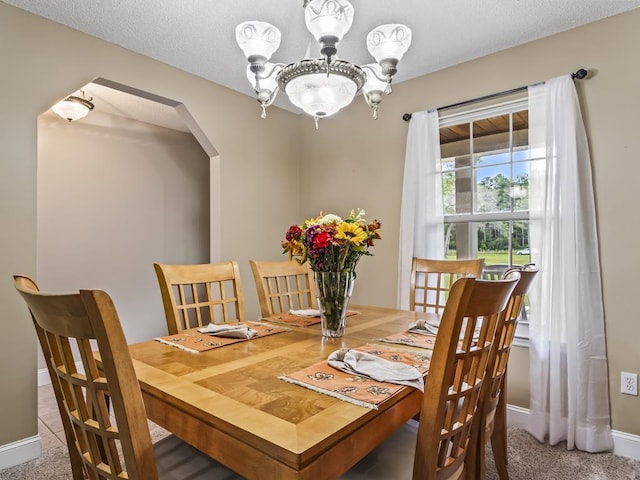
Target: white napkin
column 237, row 330
column 309, row 312
column 430, row 327
column 425, row 327
column 372, row 366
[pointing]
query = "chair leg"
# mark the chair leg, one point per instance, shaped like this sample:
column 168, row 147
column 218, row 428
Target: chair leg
column 499, row 438
column 480, row 470
column 77, row 471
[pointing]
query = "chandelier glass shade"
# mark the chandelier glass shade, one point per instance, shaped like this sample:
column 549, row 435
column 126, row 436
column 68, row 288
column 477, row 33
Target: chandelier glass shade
column 322, row 86
column 258, row 40
column 328, row 19
column 317, row 93
column 389, row 42
column 73, row 108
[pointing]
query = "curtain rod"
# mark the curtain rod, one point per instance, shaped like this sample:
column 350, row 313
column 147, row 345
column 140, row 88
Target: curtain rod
column 580, row 74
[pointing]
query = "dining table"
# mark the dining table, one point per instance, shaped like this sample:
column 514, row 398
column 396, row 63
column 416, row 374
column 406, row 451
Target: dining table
column 232, row 403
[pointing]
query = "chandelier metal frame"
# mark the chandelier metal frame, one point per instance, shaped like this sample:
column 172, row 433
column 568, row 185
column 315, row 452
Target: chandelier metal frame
column 317, row 80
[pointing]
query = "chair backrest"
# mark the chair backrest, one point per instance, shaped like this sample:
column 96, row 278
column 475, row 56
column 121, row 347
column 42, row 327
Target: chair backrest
column 494, row 271
column 505, row 332
column 94, row 439
column 283, row 286
column 196, row 295
column 456, row 374
column 432, row 279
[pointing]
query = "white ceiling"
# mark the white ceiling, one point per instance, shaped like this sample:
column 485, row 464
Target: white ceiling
column 198, row 36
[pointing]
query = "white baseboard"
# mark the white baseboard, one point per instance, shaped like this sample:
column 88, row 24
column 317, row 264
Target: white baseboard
column 517, row 416
column 624, row 444
column 19, row 452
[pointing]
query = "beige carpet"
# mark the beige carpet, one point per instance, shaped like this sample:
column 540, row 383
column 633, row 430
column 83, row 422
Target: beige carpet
column 528, row 460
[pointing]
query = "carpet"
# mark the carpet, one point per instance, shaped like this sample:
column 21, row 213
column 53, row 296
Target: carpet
column 528, row 460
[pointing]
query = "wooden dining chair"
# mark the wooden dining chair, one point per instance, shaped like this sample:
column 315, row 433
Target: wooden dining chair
column 196, row 295
column 438, row 444
column 491, row 424
column 431, row 280
column 494, row 271
column 283, row 286
column 103, row 446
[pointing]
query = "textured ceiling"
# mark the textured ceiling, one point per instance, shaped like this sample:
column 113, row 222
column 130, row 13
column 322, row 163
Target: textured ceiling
column 198, row 36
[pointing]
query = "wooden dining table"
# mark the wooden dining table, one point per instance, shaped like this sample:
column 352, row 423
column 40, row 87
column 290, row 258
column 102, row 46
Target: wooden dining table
column 229, row 402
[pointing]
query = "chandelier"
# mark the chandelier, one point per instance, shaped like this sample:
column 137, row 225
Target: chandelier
column 322, row 86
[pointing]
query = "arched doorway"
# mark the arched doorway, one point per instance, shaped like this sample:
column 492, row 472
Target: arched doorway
column 133, row 183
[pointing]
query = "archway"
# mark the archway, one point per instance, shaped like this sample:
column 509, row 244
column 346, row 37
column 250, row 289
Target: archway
column 133, row 183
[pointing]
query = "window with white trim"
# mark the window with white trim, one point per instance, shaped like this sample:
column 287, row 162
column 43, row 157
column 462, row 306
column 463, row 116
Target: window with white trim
column 485, row 165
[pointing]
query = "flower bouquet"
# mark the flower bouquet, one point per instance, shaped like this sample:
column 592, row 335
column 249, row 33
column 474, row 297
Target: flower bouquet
column 332, row 246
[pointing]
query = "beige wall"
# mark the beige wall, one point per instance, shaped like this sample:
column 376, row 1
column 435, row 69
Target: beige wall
column 41, row 62
column 114, row 195
column 360, row 161
column 283, row 169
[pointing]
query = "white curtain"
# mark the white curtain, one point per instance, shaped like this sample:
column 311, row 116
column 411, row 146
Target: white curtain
column 568, row 364
column 421, row 216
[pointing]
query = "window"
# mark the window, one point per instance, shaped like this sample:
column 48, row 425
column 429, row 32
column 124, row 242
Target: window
column 485, row 165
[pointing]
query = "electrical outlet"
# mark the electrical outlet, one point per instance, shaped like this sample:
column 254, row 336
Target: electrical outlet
column 629, row 383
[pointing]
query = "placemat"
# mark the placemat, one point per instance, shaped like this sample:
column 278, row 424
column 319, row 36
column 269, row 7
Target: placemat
column 193, row 341
column 297, row 320
column 408, row 337
column 353, row 388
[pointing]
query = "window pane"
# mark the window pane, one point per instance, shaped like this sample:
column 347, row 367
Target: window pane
column 493, row 242
column 455, row 140
column 464, row 182
column 490, row 134
column 521, row 130
column 492, row 158
column 456, row 185
column 520, row 243
column 450, row 241
column 500, row 244
column 520, row 186
column 448, row 164
column 449, row 192
column 493, row 188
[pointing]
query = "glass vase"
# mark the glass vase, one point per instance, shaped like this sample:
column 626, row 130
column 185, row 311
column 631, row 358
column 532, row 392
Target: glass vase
column 333, row 291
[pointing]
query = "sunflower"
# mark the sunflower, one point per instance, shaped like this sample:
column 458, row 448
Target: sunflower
column 350, row 233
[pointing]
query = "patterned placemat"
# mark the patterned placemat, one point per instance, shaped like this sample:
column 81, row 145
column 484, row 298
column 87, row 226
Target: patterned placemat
column 408, row 337
column 291, row 319
column 353, row 388
column 297, row 320
column 193, row 341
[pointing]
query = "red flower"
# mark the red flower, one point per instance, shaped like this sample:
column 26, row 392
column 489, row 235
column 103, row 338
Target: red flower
column 293, row 233
column 321, row 240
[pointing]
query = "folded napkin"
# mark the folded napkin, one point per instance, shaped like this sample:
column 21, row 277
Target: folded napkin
column 309, row 312
column 430, row 327
column 425, row 327
column 379, row 369
column 229, row 331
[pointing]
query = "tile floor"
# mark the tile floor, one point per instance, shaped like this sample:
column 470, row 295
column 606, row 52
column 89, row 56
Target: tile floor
column 49, row 423
column 175, row 459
